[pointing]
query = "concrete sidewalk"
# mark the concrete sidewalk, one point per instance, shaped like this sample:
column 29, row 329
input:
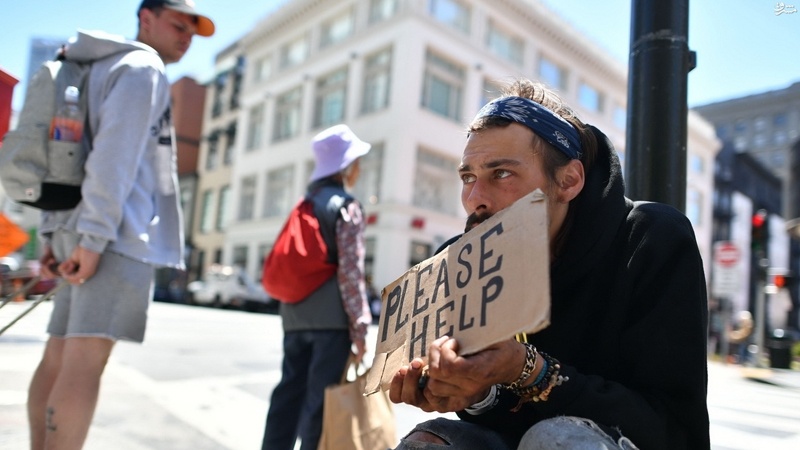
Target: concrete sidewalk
column 786, row 378
column 202, row 382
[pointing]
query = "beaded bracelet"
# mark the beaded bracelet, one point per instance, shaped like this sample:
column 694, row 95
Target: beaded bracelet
column 527, row 369
column 539, row 391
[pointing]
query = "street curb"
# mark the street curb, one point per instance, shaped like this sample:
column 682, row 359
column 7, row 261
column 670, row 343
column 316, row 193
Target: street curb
column 785, row 378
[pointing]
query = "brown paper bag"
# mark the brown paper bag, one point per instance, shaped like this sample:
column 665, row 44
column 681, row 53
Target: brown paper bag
column 353, row 421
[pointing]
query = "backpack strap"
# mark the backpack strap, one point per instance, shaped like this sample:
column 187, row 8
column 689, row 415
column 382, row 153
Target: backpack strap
column 330, row 203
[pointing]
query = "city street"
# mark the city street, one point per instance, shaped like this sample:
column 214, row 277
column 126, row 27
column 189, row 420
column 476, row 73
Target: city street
column 203, row 377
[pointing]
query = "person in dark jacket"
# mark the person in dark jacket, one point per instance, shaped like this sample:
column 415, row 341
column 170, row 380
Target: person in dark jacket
column 623, row 363
column 320, row 330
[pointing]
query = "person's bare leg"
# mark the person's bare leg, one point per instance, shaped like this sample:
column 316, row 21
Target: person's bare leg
column 74, row 394
column 39, row 390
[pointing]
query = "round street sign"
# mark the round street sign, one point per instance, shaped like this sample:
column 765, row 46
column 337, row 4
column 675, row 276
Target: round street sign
column 727, row 254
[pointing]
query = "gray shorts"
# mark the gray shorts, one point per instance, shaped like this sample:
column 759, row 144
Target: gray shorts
column 111, row 304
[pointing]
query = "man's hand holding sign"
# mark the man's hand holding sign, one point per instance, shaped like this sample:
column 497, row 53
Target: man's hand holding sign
column 475, row 295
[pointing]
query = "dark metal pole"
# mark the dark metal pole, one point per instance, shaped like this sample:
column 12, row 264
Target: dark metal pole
column 658, row 67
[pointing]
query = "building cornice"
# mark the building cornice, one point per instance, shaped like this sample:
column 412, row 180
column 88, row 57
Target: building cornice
column 565, row 34
column 293, row 13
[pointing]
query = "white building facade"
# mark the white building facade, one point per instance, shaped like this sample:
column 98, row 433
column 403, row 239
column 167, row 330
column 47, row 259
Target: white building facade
column 406, row 76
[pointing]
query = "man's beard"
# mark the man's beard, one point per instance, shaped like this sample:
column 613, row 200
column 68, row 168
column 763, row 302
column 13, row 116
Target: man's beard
column 474, row 219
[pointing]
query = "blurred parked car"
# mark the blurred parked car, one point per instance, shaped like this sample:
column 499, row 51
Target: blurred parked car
column 229, row 286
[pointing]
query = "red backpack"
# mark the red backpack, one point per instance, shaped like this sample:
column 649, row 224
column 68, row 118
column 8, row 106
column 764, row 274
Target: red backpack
column 298, row 263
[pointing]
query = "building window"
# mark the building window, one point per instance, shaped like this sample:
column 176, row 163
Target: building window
column 780, row 120
column 369, row 256
column 760, row 140
column 199, row 265
column 436, row 185
column 255, row 127
column 504, row 45
column 443, row 87
column 236, row 83
column 420, row 251
column 222, row 208
column 187, row 204
column 294, row 52
column 454, row 13
column 337, row 29
column 368, row 186
column 377, row 81
column 620, row 117
column 219, row 89
column 262, row 69
column 696, row 164
column 694, row 206
column 278, row 193
column 490, row 91
column 240, row 256
column 777, row 158
column 230, row 141
column 308, row 169
column 779, row 137
column 331, row 94
column 551, row 74
column 247, row 198
column 206, row 211
column 740, row 126
column 380, row 10
column 287, row 115
column 590, row 98
column 760, row 124
column 263, row 252
column 740, row 143
column 213, row 151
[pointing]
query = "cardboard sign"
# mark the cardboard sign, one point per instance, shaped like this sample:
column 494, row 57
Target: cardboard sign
column 491, row 284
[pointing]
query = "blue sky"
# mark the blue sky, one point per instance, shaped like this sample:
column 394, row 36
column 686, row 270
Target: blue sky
column 742, row 46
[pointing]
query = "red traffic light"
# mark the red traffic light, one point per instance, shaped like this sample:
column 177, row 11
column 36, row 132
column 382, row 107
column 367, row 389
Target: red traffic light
column 759, row 218
column 779, row 281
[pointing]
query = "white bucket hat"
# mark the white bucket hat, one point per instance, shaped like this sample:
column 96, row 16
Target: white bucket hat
column 335, row 149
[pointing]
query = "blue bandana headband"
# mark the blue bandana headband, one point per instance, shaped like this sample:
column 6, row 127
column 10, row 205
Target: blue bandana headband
column 545, row 123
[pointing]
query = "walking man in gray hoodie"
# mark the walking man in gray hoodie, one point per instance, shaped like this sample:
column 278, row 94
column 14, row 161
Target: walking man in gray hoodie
column 127, row 223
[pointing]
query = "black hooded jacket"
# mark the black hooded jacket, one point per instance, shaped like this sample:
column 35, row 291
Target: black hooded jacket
column 628, row 321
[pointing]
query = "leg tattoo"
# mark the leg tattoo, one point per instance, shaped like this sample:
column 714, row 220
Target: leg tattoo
column 51, row 424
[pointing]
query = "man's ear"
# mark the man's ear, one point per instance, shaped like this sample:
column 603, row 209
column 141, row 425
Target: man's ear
column 145, row 19
column 571, row 179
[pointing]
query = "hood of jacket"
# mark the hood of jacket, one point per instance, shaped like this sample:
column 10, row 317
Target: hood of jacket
column 93, row 45
column 599, row 212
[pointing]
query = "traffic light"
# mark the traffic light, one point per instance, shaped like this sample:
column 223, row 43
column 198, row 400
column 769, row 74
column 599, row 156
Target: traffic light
column 759, row 235
column 782, row 280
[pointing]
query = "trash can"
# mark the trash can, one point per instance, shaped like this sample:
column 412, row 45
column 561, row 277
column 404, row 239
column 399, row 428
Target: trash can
column 780, row 349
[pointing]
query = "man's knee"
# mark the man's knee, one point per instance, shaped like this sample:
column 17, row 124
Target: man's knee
column 425, row 436
column 86, row 354
column 442, row 434
column 568, row 432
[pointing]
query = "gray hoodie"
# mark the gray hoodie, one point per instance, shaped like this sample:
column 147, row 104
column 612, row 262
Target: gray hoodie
column 130, row 194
